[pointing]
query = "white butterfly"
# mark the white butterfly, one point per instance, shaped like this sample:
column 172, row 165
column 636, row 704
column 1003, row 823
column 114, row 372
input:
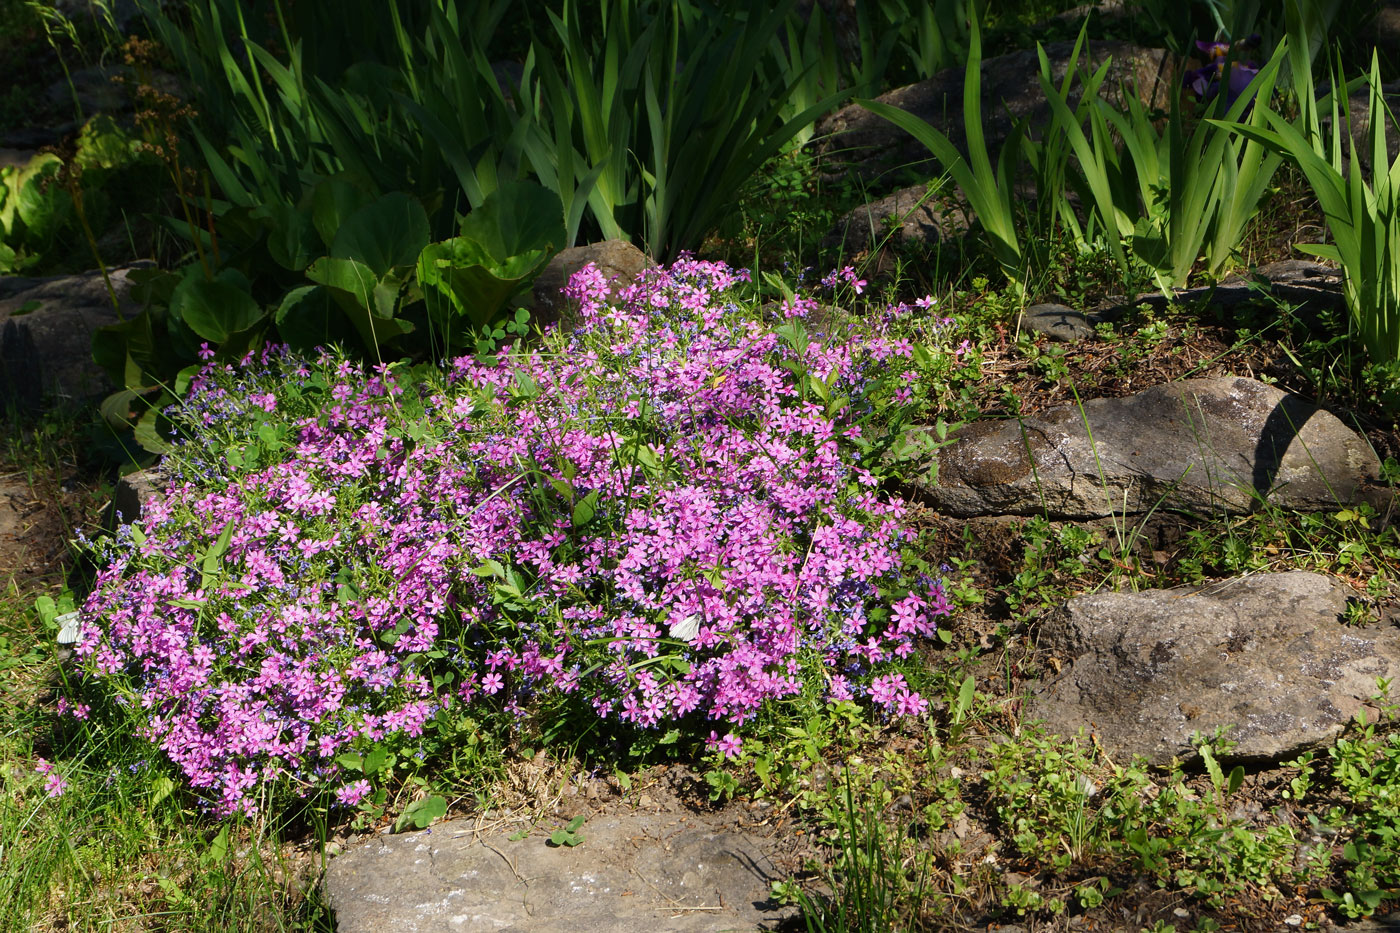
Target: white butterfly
column 67, row 628
column 686, row 629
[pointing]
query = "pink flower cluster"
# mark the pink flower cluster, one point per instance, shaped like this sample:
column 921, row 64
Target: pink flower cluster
column 660, row 513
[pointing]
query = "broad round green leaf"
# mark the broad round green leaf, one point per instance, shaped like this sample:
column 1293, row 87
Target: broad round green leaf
column 390, row 232
column 215, row 308
column 334, row 200
column 518, row 217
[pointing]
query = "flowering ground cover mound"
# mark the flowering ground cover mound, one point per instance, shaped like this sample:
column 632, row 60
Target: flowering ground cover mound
column 671, row 515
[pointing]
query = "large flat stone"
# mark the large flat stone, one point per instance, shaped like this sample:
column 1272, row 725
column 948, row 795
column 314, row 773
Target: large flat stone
column 46, row 328
column 1266, row 656
column 633, row 873
column 1207, row 446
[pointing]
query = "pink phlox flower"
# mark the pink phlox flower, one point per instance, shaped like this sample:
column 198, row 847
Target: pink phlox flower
column 885, row 688
column 352, row 793
column 850, row 276
column 54, row 785
column 909, row 703
column 730, row 745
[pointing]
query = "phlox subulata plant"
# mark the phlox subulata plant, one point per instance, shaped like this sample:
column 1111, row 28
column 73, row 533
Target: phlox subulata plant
column 666, row 515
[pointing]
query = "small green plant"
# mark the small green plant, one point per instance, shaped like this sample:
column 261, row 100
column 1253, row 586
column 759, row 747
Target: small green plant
column 568, row 836
column 657, row 121
column 869, row 880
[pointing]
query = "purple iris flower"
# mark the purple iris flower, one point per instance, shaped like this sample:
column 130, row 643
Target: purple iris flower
column 1205, row 82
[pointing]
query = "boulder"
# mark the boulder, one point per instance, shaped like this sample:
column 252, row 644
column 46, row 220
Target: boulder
column 1206, row 446
column 93, row 90
column 911, row 214
column 1058, row 322
column 1386, row 28
column 133, row 491
column 46, row 328
column 618, row 260
column 1312, row 286
column 632, row 873
column 1010, row 92
column 1266, row 657
column 1359, row 105
column 121, row 13
column 15, row 158
column 30, row 138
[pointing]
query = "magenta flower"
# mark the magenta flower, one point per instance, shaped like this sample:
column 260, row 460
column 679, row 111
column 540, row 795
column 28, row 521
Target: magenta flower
column 730, row 746
column 353, row 793
column 909, row 703
column 54, row 783
column 884, row 690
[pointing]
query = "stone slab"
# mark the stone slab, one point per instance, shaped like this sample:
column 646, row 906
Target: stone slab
column 1214, row 446
column 633, row 873
column 1266, row 656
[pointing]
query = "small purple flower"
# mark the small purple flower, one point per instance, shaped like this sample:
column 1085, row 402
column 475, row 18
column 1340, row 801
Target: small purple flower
column 1205, row 82
column 353, row 792
column 885, row 689
column 909, row 703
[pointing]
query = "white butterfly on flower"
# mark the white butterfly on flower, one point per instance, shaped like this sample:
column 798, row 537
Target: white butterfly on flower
column 67, row 628
column 686, row 629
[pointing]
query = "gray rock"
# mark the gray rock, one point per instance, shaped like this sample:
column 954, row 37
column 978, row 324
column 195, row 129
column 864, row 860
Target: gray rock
column 1386, row 28
column 633, row 873
column 1266, row 655
column 133, row 491
column 92, row 89
column 35, row 137
column 46, row 328
column 122, row 13
column 1390, row 923
column 1210, row 446
column 910, row 214
column 1058, row 322
column 1298, row 281
column 1010, row 91
column 15, row 158
column 508, row 76
column 618, row 260
column 1359, row 106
